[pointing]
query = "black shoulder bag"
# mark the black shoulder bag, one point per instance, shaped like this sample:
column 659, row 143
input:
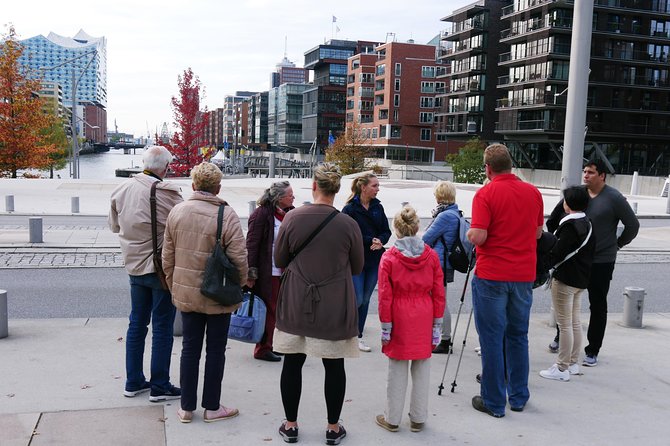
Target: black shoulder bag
column 221, row 278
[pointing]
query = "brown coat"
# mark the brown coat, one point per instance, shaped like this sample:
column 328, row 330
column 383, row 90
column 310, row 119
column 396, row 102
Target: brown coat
column 130, row 217
column 317, row 297
column 190, row 234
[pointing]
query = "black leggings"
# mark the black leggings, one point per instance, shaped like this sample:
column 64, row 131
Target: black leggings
column 334, row 386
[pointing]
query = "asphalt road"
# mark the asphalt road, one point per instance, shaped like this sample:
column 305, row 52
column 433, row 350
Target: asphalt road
column 104, row 292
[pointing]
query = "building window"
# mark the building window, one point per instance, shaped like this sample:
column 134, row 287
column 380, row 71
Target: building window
column 396, row 132
column 427, row 102
column 382, row 131
column 396, row 84
column 425, row 117
column 398, row 69
column 374, row 133
column 427, row 87
column 428, row 72
column 425, row 134
column 395, row 115
column 396, row 100
column 380, row 70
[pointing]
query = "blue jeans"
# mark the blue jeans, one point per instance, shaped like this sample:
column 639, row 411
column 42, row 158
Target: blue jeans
column 149, row 303
column 364, row 285
column 195, row 327
column 502, row 313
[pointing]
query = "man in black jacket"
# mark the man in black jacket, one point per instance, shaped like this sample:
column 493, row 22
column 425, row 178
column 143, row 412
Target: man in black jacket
column 606, row 209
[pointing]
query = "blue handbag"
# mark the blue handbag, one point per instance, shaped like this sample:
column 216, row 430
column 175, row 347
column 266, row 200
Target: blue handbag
column 247, row 323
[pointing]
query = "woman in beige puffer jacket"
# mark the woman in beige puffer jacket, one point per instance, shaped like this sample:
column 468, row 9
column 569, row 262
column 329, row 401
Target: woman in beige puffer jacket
column 190, row 235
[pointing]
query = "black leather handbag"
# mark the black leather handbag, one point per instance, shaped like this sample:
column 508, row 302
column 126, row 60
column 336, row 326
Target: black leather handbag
column 221, row 279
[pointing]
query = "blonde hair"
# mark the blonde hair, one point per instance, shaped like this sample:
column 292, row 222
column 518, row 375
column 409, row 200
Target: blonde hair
column 206, row 177
column 358, row 183
column 327, row 178
column 445, row 192
column 406, row 222
column 498, row 158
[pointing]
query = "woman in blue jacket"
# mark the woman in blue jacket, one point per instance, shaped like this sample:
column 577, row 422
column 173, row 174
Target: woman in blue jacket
column 364, row 207
column 441, row 235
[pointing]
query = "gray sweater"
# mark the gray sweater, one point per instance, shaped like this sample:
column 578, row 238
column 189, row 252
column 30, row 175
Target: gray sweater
column 605, row 211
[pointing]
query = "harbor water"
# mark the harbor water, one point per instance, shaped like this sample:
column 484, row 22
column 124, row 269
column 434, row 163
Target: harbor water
column 102, row 165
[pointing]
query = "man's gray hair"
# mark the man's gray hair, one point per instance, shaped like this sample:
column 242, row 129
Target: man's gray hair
column 156, row 158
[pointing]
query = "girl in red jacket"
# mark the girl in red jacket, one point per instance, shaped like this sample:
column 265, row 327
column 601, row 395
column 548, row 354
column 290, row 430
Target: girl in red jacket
column 411, row 305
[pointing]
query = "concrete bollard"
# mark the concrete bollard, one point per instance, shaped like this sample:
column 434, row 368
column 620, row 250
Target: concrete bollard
column 252, row 207
column 4, row 324
column 35, row 230
column 633, row 305
column 271, row 165
column 178, row 326
column 75, row 205
column 9, row 203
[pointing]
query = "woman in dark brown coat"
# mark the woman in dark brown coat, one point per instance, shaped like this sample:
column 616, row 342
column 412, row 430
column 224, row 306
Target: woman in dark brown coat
column 264, row 275
column 316, row 310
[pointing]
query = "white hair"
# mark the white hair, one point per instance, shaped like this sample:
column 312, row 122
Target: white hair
column 156, row 159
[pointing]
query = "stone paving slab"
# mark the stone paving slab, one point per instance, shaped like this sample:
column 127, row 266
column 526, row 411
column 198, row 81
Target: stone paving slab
column 17, row 429
column 124, row 426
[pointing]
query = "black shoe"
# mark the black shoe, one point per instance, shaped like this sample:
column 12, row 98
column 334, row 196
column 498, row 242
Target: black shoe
column 171, row 393
column 478, row 403
column 444, row 347
column 277, row 353
column 290, row 434
column 333, row 437
column 517, row 409
column 130, row 393
column 479, row 378
column 269, row 356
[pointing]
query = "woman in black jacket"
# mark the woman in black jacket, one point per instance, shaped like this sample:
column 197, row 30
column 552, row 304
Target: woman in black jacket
column 573, row 253
column 364, row 207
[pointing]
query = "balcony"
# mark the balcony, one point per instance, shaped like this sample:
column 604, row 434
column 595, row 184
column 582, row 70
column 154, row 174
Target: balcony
column 532, row 125
column 531, row 26
column 661, row 6
column 513, row 9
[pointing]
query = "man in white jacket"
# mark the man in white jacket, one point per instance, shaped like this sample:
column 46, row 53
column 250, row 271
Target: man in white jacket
column 130, row 217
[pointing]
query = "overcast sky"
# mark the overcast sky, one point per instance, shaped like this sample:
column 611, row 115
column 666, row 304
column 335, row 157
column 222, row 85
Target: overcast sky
column 230, row 45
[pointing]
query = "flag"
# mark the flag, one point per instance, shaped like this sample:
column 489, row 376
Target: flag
column 337, row 29
column 334, row 19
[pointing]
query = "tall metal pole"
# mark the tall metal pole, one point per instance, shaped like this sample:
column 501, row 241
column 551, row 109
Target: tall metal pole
column 578, row 84
column 75, row 149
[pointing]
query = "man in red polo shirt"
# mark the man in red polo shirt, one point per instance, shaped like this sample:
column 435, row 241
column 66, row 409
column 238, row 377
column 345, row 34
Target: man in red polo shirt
column 507, row 220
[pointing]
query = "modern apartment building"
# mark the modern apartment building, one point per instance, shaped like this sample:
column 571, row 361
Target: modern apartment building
column 324, row 101
column 288, row 73
column 214, row 129
column 391, row 100
column 285, row 116
column 470, row 72
column 258, row 121
column 53, row 59
column 229, row 103
column 628, row 101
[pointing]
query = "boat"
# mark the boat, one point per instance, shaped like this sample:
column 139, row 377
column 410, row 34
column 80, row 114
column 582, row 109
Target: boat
column 127, row 172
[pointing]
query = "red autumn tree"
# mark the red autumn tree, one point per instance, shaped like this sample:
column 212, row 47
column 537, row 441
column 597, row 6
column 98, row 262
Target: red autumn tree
column 190, row 122
column 22, row 119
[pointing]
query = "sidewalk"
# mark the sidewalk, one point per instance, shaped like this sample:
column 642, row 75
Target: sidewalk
column 62, row 382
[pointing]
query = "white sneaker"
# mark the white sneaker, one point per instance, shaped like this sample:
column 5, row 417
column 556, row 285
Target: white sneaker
column 362, row 346
column 574, row 369
column 554, row 373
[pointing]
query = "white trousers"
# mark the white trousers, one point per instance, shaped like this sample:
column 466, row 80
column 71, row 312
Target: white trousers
column 396, row 389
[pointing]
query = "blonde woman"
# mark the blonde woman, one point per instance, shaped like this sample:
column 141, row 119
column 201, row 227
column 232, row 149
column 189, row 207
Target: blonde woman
column 441, row 235
column 364, row 207
column 190, row 237
column 411, row 303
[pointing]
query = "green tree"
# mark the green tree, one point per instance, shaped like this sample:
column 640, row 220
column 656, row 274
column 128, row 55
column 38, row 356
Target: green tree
column 350, row 150
column 467, row 163
column 54, row 134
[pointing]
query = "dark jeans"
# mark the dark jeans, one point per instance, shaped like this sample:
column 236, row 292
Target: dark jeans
column 364, row 285
column 334, row 386
column 195, row 326
column 599, row 286
column 149, row 302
